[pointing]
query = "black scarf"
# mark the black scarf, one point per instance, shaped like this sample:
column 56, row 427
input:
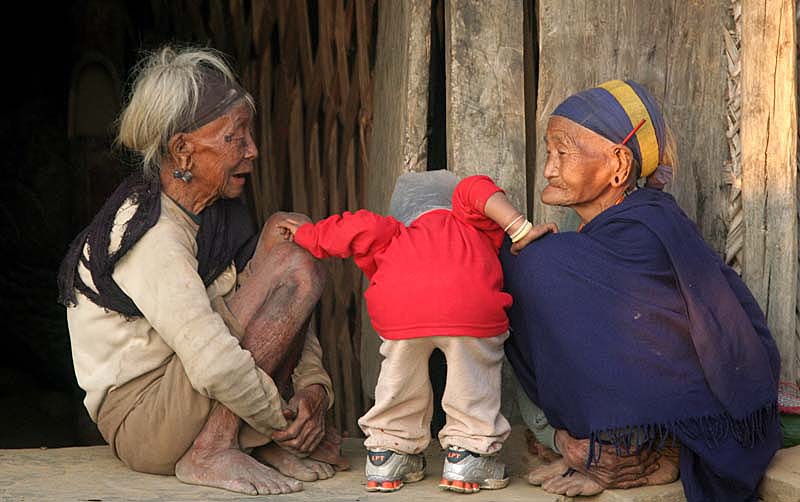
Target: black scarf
column 226, row 234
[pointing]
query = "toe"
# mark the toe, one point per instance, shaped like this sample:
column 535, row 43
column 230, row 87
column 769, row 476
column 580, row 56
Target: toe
column 241, row 486
column 555, row 485
column 270, row 487
column 327, row 470
column 304, row 474
column 322, row 470
column 573, row 490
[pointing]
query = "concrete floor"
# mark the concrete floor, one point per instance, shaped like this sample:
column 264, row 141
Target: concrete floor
column 92, row 474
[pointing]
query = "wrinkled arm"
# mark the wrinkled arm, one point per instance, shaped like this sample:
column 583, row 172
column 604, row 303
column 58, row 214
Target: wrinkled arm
column 160, row 275
column 313, row 396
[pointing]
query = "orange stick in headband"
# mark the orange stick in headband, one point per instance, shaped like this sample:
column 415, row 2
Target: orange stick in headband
column 630, row 134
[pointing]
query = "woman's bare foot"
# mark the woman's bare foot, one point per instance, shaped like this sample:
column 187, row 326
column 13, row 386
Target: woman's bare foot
column 234, row 470
column 288, row 464
column 540, row 474
column 557, row 477
column 329, row 450
column 572, row 483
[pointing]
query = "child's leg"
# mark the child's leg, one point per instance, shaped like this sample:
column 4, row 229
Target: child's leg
column 400, row 419
column 475, row 428
column 472, row 394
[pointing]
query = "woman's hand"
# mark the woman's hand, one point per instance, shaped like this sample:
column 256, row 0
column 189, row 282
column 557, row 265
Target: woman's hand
column 307, row 409
column 612, row 470
column 533, row 234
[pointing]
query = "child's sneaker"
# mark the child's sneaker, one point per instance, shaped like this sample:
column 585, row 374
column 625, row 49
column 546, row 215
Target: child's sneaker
column 388, row 470
column 467, row 472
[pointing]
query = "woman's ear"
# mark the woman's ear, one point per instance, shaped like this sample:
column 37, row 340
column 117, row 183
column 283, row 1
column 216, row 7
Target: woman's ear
column 181, row 149
column 623, row 162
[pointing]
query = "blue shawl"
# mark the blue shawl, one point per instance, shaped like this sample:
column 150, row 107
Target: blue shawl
column 633, row 332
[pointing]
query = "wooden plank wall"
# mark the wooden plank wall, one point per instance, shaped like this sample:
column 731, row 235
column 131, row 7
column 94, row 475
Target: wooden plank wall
column 309, row 65
column 769, row 167
column 486, row 92
column 669, row 48
column 724, row 72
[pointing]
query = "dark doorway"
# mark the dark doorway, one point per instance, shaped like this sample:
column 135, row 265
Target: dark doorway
column 65, row 80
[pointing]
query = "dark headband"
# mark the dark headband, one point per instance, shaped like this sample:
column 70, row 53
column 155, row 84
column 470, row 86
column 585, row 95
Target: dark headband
column 216, row 95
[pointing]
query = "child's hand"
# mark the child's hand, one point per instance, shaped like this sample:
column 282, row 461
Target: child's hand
column 533, row 234
column 288, row 223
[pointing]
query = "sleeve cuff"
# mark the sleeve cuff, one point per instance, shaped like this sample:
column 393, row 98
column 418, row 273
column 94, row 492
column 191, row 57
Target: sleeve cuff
column 304, row 236
column 269, row 417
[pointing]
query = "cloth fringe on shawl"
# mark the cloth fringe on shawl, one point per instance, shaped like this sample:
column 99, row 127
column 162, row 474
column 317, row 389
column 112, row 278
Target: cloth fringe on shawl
column 747, row 431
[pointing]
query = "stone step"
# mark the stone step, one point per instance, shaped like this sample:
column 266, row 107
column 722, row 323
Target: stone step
column 93, row 474
column 781, row 482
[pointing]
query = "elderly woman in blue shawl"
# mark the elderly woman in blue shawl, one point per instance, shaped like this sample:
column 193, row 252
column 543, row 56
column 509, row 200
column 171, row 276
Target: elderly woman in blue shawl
column 640, row 345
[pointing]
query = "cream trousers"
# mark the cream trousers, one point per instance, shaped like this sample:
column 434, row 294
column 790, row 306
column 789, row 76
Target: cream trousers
column 400, row 419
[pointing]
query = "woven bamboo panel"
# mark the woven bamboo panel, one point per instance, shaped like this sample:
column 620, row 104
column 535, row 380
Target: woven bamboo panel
column 732, row 172
column 309, row 65
column 313, row 76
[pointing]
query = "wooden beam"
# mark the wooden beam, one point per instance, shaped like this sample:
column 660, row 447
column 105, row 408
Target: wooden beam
column 398, row 142
column 769, row 167
column 485, row 92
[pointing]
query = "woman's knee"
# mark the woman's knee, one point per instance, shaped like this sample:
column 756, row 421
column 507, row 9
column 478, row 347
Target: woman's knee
column 300, row 269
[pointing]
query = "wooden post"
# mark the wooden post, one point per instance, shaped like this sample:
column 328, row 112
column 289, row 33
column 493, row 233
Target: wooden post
column 399, row 142
column 485, row 97
column 485, row 92
column 769, row 167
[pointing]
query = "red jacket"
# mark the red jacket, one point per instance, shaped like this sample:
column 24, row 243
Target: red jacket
column 438, row 276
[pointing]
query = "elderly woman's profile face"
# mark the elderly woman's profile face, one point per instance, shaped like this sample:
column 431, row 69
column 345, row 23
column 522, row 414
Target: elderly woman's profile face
column 224, row 153
column 578, row 168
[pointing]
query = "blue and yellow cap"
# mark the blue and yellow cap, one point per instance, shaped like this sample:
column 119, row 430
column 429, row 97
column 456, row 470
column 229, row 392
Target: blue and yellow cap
column 613, row 110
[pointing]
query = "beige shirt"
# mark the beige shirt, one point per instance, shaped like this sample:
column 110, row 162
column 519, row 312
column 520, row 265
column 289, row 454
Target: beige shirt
column 160, row 275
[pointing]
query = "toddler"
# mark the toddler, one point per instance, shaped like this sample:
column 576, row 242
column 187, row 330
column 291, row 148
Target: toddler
column 435, row 281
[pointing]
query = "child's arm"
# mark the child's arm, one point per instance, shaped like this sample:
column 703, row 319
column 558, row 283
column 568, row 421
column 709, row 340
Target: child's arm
column 522, row 232
column 360, row 235
column 478, row 201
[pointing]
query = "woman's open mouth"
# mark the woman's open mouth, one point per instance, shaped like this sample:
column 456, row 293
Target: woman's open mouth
column 241, row 176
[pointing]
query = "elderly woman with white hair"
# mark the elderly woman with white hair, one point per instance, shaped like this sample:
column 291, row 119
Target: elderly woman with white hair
column 189, row 330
